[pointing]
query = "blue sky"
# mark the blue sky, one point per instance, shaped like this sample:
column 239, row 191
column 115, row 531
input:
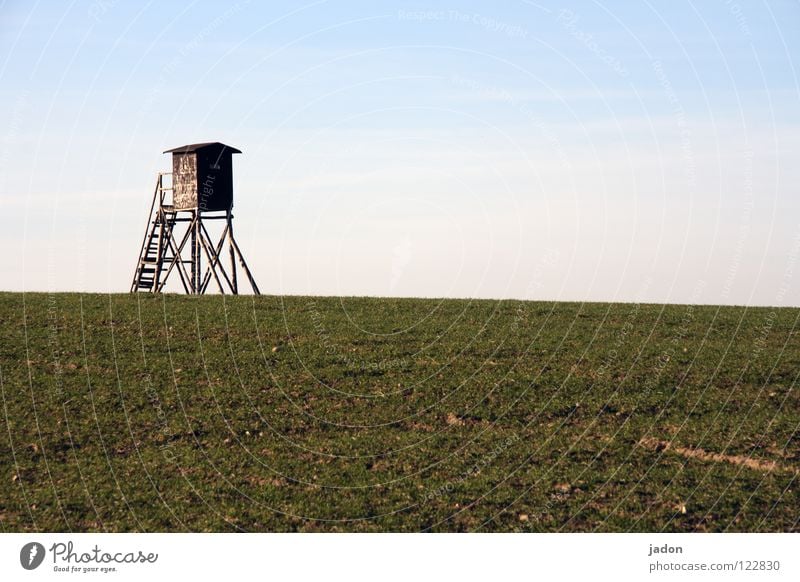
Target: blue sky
column 576, row 151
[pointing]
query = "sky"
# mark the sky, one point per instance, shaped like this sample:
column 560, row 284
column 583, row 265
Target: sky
column 574, row 151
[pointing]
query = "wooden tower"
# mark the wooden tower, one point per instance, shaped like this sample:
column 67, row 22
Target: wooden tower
column 177, row 239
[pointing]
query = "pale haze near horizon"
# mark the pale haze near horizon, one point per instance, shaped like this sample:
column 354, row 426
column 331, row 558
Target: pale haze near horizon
column 580, row 151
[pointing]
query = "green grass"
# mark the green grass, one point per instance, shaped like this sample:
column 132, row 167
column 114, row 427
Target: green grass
column 142, row 413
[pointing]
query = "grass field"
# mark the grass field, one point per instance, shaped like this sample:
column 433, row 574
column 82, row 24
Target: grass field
column 142, row 413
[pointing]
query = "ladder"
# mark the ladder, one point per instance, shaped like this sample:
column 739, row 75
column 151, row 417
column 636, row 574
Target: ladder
column 156, row 249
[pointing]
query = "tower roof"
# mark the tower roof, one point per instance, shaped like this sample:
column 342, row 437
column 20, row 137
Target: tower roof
column 193, row 147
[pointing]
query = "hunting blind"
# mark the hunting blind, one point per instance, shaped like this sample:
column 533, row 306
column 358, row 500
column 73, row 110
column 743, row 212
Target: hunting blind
column 177, row 238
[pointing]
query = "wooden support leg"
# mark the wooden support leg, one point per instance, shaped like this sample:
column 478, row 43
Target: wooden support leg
column 234, row 282
column 214, row 260
column 244, row 267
